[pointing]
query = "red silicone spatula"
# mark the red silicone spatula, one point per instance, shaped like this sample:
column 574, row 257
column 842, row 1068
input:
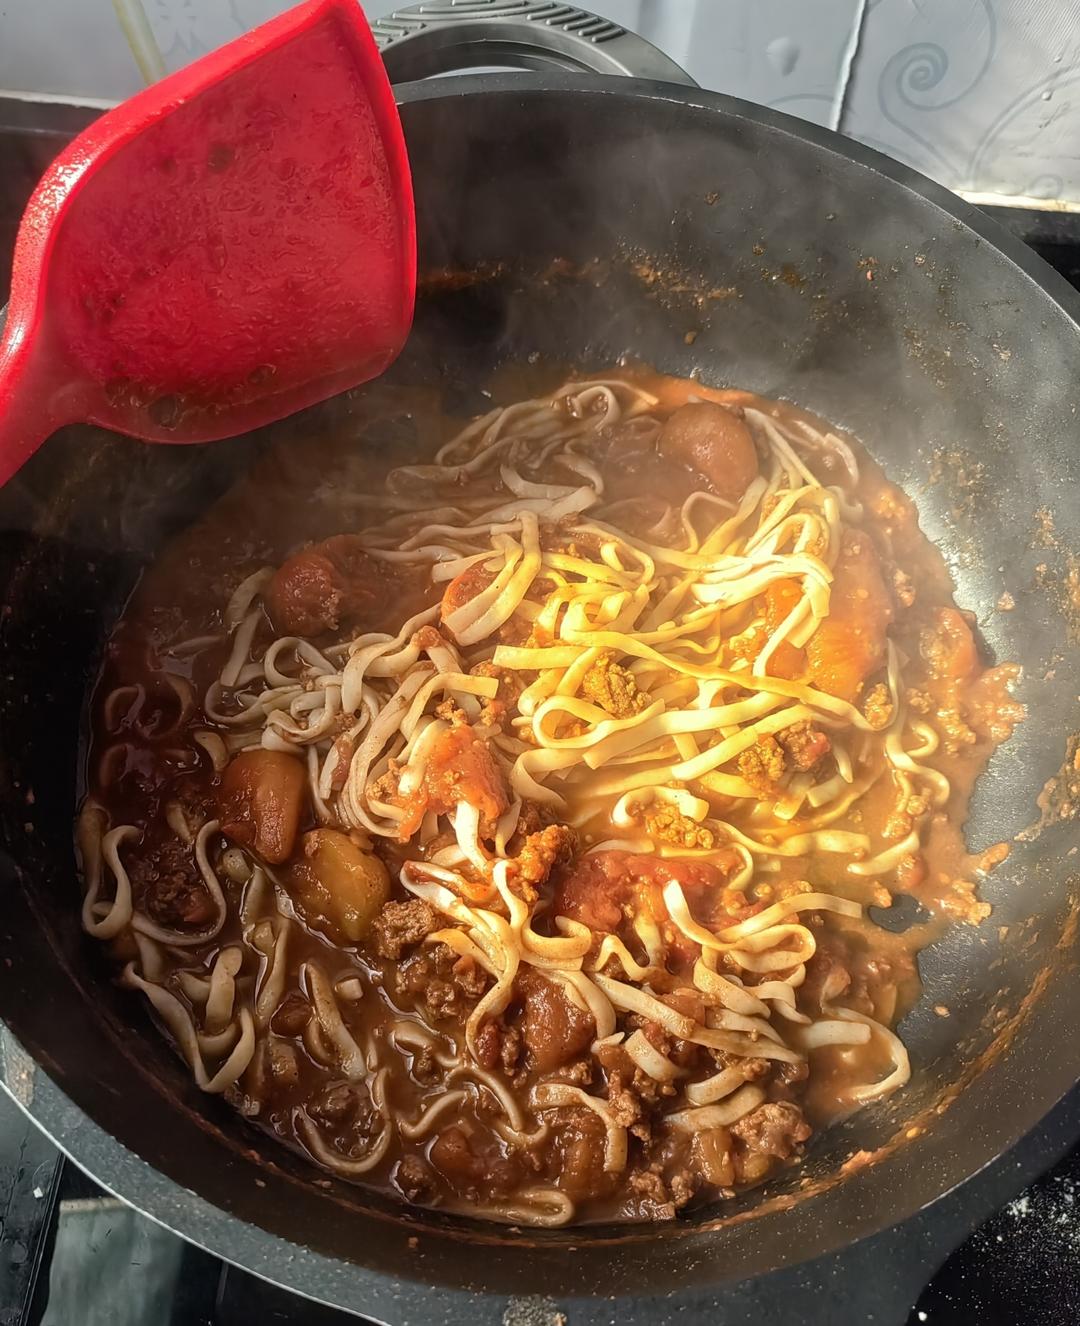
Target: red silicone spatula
column 228, row 246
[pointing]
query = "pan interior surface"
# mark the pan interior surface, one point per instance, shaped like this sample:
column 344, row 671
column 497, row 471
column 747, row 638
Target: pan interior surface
column 581, row 222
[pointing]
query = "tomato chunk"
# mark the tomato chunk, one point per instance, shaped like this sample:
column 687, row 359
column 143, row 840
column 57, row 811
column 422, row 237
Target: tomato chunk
column 260, row 800
column 715, row 442
column 554, row 1029
column 948, row 646
column 324, row 587
column 601, row 888
column 464, row 588
column 577, row 1155
column 460, row 767
column 787, row 661
column 849, row 644
column 472, row 1162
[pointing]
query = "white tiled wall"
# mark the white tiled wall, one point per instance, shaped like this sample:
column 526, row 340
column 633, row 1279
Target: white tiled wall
column 982, row 94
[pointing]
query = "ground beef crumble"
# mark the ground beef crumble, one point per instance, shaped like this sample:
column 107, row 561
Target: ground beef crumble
column 402, row 925
column 878, row 707
column 663, row 1195
column 665, row 822
column 498, row 1046
column 415, row 1178
column 447, row 984
column 804, row 744
column 775, row 1129
column 167, row 886
column 903, row 588
column 344, row 1111
column 542, row 852
column 763, row 765
column 612, row 687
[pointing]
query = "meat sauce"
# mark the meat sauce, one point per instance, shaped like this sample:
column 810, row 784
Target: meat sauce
column 155, row 749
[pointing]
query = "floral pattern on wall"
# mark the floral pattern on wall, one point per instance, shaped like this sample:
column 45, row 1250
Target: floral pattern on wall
column 983, row 95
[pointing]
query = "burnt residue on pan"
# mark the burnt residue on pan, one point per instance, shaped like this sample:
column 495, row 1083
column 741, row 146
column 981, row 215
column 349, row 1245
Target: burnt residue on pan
column 1059, row 800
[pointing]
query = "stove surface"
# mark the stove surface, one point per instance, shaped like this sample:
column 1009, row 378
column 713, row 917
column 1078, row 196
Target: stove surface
column 70, row 1253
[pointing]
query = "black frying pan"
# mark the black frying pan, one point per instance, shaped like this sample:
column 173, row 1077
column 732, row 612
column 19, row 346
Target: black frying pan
column 704, row 236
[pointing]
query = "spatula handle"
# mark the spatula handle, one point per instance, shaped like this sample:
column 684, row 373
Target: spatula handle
column 32, row 397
